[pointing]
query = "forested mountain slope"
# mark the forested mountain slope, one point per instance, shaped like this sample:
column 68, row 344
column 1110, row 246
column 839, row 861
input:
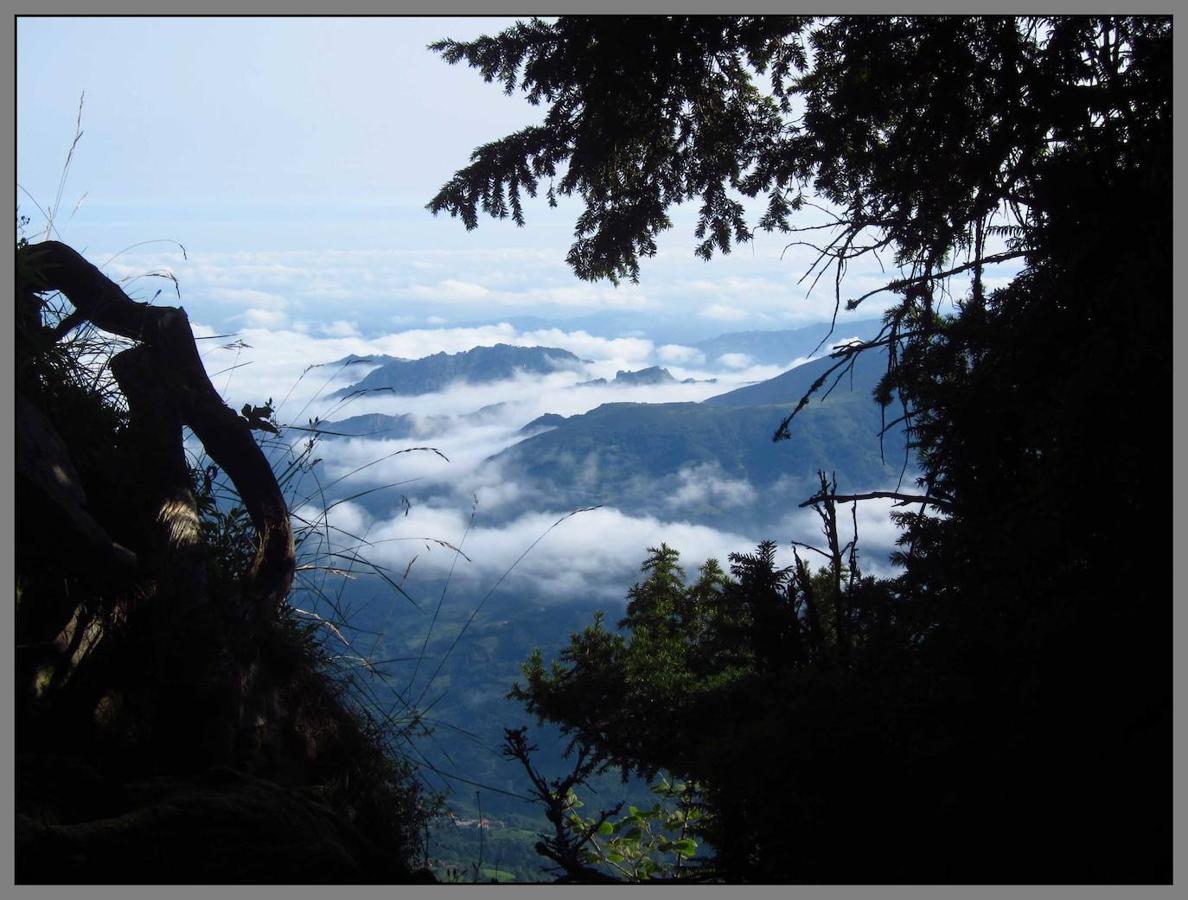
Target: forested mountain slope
column 631, row 455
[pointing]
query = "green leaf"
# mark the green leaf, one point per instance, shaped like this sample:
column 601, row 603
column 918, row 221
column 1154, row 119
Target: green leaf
column 606, row 828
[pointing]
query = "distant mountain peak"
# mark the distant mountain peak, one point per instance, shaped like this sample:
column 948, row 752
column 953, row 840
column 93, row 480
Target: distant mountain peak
column 650, row 375
column 479, row 365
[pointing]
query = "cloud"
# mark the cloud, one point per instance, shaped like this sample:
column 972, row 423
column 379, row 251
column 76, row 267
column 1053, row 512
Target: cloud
column 593, row 554
column 374, row 287
column 736, row 360
column 707, row 485
column 348, row 523
column 723, row 312
column 736, row 286
column 597, row 552
column 447, row 422
column 449, row 291
column 589, row 296
column 249, row 297
column 289, row 362
column 584, row 344
column 340, row 328
column 560, row 555
column 262, row 318
column 677, row 353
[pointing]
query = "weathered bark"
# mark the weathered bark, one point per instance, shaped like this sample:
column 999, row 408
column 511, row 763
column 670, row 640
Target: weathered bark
column 155, row 427
column 168, row 351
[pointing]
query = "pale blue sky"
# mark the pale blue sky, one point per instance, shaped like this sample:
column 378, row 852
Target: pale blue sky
column 295, row 123
column 293, row 159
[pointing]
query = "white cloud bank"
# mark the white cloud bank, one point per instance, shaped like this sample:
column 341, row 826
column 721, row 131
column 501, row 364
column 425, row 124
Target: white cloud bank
column 595, row 554
column 591, row 555
column 707, row 485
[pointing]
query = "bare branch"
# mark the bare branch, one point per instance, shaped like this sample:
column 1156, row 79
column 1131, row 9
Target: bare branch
column 903, row 499
column 935, row 276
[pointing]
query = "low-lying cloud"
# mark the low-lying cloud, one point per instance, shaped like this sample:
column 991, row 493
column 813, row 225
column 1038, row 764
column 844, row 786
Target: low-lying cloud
column 563, row 556
column 417, row 490
column 594, row 554
column 736, row 360
column 707, row 485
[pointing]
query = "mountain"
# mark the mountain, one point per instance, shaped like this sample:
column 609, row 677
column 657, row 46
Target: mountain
column 650, row 375
column 789, row 387
column 765, row 347
column 781, row 347
column 710, row 463
column 387, row 427
column 478, row 365
column 375, row 425
column 548, row 420
column 713, row 462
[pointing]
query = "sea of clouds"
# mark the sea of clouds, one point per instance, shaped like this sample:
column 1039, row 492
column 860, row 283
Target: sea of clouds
column 460, row 497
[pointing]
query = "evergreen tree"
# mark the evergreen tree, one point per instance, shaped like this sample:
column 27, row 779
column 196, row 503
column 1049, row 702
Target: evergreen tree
column 1001, row 712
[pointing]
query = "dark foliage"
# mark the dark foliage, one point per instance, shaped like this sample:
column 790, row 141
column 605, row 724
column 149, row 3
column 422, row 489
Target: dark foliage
column 1001, row 712
column 160, row 737
column 765, row 687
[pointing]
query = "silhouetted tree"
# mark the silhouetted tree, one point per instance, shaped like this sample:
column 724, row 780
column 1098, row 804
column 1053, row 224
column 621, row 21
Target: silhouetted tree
column 1008, row 718
column 760, row 706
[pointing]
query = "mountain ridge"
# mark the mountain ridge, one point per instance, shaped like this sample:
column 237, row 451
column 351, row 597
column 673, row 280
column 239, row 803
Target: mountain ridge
column 635, row 456
column 478, row 365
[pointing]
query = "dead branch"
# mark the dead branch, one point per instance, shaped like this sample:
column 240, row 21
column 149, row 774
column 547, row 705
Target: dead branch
column 903, row 499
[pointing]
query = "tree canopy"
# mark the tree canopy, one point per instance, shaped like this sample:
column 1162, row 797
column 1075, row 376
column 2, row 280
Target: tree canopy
column 1015, row 724
column 919, row 131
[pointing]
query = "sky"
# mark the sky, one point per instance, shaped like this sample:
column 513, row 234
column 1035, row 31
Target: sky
column 292, row 159
column 271, row 175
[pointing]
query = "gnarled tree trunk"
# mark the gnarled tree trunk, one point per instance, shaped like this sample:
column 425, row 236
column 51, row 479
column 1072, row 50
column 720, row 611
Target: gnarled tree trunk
column 167, row 387
column 182, row 634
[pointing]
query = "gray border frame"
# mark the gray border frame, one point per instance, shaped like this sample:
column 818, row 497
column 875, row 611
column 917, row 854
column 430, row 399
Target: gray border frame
column 521, row 8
